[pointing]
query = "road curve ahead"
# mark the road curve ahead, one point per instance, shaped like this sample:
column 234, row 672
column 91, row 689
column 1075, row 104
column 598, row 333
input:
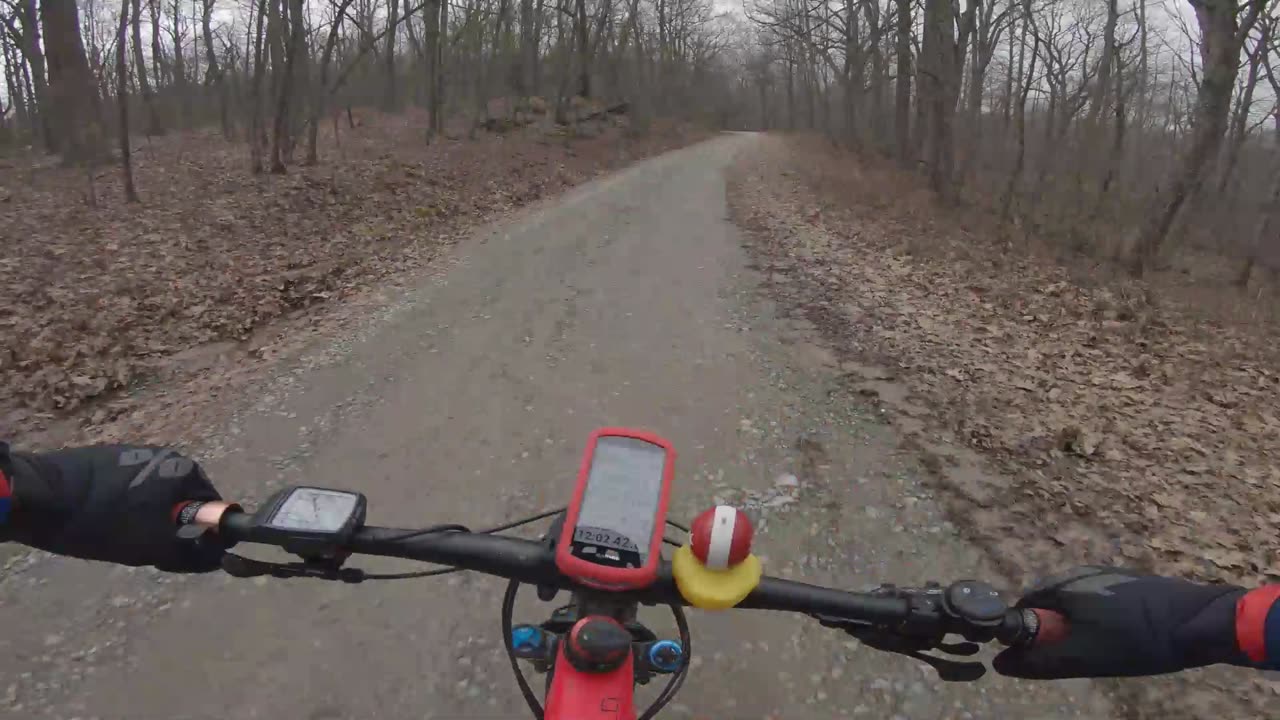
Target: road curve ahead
column 627, row 302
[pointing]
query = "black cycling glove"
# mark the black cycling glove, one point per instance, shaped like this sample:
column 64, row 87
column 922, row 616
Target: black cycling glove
column 1127, row 624
column 113, row 503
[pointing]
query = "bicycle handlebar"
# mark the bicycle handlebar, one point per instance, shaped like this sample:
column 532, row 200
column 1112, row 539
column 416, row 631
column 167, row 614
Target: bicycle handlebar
column 909, row 612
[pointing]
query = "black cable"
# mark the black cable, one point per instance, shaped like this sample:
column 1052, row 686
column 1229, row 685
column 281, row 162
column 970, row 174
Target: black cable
column 427, row 531
column 677, row 525
column 508, row 610
column 451, row 528
column 408, row 575
column 673, row 543
column 677, row 681
column 526, row 521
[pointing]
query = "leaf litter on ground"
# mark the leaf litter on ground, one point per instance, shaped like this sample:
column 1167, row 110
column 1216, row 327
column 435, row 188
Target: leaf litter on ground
column 100, row 300
column 1129, row 431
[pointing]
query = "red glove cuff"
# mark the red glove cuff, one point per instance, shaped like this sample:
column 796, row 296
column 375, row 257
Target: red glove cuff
column 1257, row 624
column 6, row 498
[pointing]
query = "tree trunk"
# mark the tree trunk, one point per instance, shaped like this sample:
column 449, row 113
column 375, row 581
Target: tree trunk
column 878, row 74
column 1009, row 72
column 1020, row 123
column 664, row 57
column 528, row 50
column 938, row 51
column 1220, row 52
column 539, row 16
column 807, row 72
column 418, row 56
column 280, row 133
column 320, row 94
column 584, row 49
column 1112, row 158
column 154, row 125
column 393, row 18
column 74, row 104
column 215, row 74
column 1102, row 79
column 255, row 92
column 1240, row 118
column 433, row 44
column 902, row 91
column 13, row 82
column 437, row 115
column 566, row 57
column 1140, row 115
column 122, row 100
column 180, row 84
column 848, row 74
column 157, row 49
column 275, row 55
column 31, row 50
column 791, row 91
column 977, row 78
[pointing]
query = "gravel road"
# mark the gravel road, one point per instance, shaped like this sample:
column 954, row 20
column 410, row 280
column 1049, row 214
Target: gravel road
column 627, row 301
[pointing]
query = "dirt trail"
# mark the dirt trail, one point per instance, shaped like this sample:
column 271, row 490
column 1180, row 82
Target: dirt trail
column 626, row 302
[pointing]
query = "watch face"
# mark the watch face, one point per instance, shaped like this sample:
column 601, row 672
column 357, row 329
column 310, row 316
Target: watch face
column 314, row 510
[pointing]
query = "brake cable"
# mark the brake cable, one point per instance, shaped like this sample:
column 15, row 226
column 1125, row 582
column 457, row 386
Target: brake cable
column 508, row 611
column 677, row 680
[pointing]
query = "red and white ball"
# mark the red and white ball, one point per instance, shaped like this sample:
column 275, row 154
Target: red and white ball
column 721, row 537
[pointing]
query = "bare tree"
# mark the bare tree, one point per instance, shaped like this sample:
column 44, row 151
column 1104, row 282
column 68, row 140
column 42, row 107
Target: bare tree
column 122, row 100
column 256, row 125
column 214, row 73
column 902, row 91
column 1020, row 119
column 393, row 19
column 1222, row 35
column 154, row 124
column 26, row 36
column 73, row 98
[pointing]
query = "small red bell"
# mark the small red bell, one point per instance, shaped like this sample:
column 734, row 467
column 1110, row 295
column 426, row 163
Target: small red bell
column 721, row 537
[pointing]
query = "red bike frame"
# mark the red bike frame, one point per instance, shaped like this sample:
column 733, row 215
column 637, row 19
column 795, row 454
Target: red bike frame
column 577, row 695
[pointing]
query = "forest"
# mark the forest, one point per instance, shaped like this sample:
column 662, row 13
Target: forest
column 1112, row 125
column 270, row 73
column 1111, row 130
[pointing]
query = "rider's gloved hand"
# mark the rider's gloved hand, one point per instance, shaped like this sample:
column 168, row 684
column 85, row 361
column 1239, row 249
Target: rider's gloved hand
column 1126, row 624
column 107, row 502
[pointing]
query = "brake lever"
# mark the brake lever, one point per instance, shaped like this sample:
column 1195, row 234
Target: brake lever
column 242, row 567
column 885, row 640
column 949, row 670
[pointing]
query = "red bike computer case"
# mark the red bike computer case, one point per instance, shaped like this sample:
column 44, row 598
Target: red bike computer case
column 607, row 578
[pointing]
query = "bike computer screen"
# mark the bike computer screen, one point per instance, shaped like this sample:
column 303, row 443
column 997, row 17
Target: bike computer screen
column 613, row 529
column 309, row 520
column 314, row 510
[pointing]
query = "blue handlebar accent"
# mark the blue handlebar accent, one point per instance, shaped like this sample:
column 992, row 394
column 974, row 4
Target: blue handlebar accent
column 666, row 655
column 527, row 638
